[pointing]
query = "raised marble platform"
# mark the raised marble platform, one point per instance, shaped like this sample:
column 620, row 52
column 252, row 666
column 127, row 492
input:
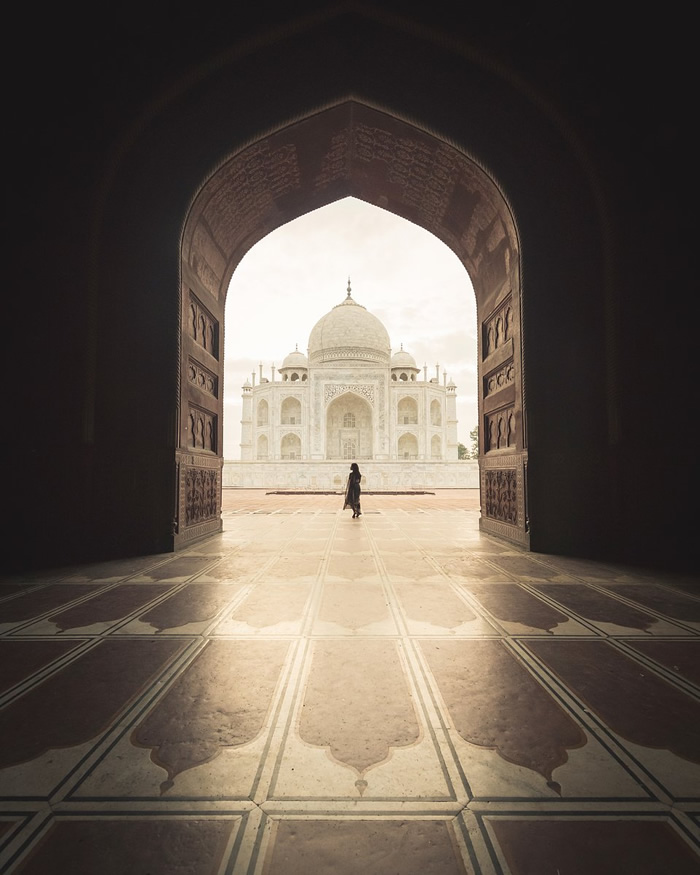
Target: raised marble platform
column 331, row 475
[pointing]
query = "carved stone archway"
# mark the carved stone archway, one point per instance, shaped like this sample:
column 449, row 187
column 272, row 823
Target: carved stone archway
column 353, row 149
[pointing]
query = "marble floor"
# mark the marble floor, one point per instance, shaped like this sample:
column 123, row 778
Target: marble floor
column 307, row 694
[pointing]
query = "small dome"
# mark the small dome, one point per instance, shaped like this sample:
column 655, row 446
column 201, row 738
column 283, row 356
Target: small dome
column 295, row 359
column 349, row 333
column 403, row 359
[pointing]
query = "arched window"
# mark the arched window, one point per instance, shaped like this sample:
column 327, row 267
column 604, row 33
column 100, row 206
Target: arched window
column 435, row 447
column 407, row 411
column 262, row 447
column 291, row 412
column 262, row 413
column 349, row 449
column 435, row 412
column 291, row 447
column 348, row 422
column 408, row 446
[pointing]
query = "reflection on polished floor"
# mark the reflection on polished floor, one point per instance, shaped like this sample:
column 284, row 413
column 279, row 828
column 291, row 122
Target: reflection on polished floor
column 308, row 694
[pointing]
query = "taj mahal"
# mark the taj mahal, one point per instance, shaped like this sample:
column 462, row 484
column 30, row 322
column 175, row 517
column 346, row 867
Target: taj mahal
column 349, row 399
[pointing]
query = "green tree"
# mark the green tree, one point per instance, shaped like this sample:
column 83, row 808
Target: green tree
column 462, row 452
column 474, row 435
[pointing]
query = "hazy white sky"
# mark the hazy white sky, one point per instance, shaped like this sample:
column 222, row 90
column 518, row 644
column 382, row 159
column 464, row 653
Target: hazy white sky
column 406, row 277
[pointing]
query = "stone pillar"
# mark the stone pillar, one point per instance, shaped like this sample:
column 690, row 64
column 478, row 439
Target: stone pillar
column 451, row 450
column 273, row 422
column 247, row 424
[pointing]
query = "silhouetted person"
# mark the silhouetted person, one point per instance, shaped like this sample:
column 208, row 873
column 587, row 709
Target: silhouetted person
column 352, row 491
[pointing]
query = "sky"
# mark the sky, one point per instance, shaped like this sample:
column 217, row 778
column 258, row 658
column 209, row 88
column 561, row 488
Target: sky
column 403, row 275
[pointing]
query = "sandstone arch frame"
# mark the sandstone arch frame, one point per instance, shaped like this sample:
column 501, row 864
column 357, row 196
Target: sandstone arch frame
column 425, row 173
column 126, row 171
column 356, row 150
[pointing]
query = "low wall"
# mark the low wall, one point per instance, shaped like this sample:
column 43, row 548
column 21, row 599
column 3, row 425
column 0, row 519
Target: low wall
column 332, row 475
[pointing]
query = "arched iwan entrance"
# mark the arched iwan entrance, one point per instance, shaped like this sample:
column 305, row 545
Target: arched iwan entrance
column 353, row 150
column 349, row 428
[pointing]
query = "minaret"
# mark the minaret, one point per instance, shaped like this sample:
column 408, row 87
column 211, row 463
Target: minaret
column 247, row 422
column 452, row 453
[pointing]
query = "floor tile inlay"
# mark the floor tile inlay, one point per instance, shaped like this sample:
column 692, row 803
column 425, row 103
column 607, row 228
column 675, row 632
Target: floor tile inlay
column 357, row 703
column 495, row 702
column 209, row 708
column 305, row 693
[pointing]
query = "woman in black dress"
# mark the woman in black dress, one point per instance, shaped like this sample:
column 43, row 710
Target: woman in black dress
column 352, row 491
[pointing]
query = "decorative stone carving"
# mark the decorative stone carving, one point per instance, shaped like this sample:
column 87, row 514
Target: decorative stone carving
column 335, row 163
column 332, row 390
column 203, row 378
column 501, row 502
column 499, row 378
column 500, row 429
column 202, row 327
column 207, row 262
column 201, row 495
column 259, row 175
column 202, row 429
column 424, row 174
column 348, row 352
column 498, row 328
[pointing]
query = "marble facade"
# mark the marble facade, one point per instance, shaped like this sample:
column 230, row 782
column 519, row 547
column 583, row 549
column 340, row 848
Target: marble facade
column 350, row 399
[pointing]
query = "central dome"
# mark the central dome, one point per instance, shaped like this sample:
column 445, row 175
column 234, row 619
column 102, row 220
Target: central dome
column 349, row 333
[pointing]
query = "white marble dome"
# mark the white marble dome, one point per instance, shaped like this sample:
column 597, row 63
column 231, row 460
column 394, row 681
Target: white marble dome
column 403, row 359
column 295, row 359
column 349, row 333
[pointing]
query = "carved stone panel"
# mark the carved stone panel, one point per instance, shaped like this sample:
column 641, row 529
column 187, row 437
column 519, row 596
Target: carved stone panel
column 202, row 429
column 202, row 327
column 499, row 328
column 501, row 499
column 202, row 378
column 500, row 429
column 499, row 378
column 201, row 495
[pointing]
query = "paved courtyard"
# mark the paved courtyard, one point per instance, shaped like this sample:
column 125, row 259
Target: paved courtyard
column 307, row 694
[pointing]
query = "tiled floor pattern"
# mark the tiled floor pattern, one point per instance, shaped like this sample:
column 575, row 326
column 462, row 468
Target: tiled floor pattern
column 308, row 694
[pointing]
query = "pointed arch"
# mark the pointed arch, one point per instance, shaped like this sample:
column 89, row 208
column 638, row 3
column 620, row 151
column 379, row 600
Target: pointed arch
column 434, row 184
column 349, row 427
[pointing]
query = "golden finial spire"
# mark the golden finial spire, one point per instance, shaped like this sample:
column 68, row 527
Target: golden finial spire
column 349, row 289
